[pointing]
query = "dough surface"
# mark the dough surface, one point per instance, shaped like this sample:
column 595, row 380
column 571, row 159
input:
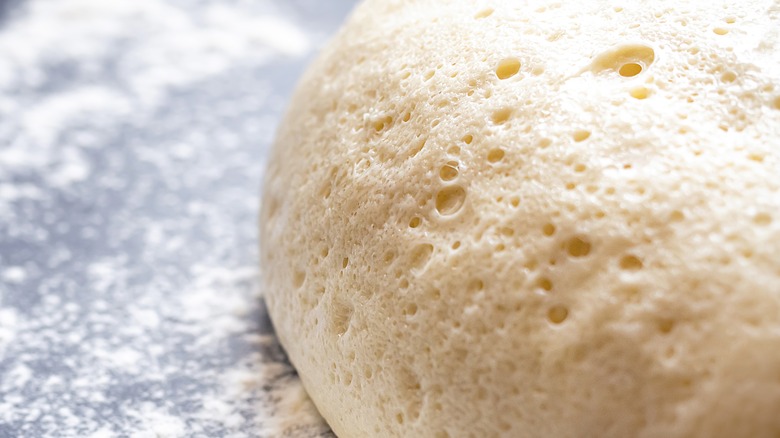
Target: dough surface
column 534, row 219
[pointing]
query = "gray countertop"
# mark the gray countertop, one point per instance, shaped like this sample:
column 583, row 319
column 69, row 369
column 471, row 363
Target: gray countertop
column 132, row 145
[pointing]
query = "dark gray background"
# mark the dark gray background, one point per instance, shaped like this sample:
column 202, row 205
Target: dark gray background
column 128, row 289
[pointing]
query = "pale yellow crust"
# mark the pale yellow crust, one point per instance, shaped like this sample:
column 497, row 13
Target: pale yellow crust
column 534, row 219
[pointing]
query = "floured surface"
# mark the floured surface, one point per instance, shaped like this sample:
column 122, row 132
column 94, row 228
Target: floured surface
column 133, row 135
column 534, row 218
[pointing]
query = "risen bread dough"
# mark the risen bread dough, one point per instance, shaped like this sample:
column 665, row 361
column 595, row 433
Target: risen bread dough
column 534, row 219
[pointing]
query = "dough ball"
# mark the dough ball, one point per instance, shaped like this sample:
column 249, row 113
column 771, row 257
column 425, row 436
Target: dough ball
column 534, row 219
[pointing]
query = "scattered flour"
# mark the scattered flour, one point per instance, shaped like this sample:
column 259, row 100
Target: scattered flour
column 132, row 137
column 148, row 49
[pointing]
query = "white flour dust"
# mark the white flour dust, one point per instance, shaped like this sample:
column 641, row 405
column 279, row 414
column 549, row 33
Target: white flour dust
column 133, row 135
column 147, row 49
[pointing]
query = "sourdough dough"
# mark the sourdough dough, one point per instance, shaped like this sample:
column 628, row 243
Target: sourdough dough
column 534, row 219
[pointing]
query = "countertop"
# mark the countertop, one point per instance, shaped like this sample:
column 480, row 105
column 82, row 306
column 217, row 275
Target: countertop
column 132, row 145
